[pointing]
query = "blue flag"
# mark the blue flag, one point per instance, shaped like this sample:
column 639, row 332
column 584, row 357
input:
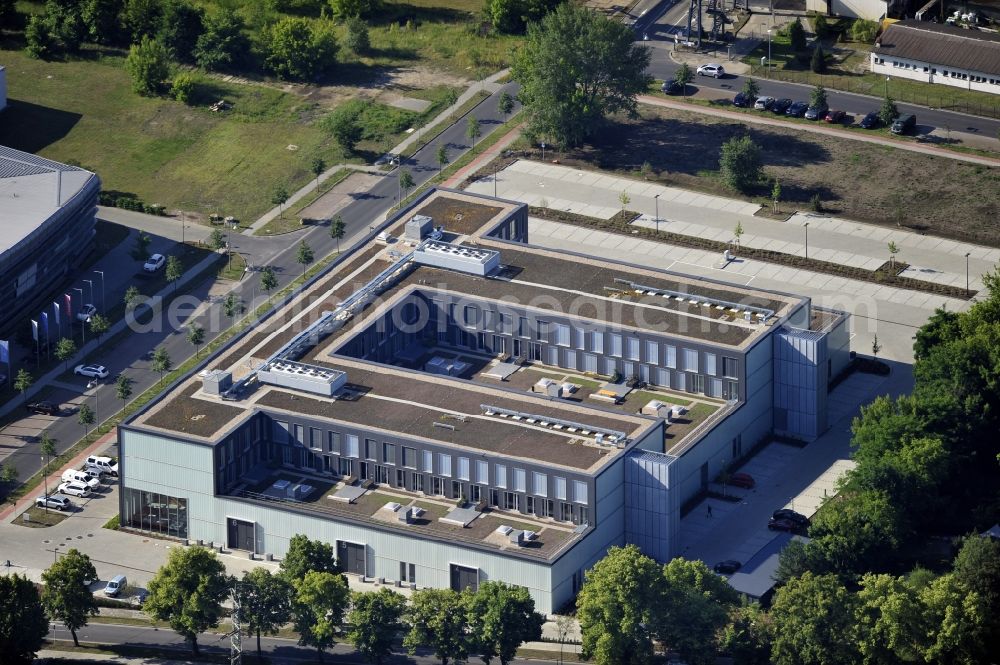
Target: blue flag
column 4, row 351
column 45, row 324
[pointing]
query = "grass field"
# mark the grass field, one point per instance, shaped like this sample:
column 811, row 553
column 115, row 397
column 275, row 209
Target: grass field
column 861, row 181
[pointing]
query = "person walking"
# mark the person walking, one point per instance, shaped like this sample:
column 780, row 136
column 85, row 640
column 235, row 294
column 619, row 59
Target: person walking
column 709, row 509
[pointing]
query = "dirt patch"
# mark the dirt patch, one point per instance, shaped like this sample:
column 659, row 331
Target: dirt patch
column 867, row 182
column 458, row 216
column 386, row 85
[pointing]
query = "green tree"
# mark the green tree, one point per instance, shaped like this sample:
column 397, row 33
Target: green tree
column 888, row 111
column 893, row 251
column 501, row 618
column 321, row 599
column 66, row 597
column 174, row 270
column 216, row 239
column 65, row 349
column 820, row 27
column 187, row 592
column 941, row 327
column 977, row 568
column 304, row 256
column 505, row 104
column 265, row 603
column 695, row 606
column 442, row 157
column 299, row 49
column 268, row 280
column 47, row 447
column 100, row 17
column 148, row 64
column 182, row 87
column 375, row 619
column 818, row 96
column 740, row 163
column 338, row 230
column 317, row 166
column 617, row 606
column 24, row 625
column 863, row 30
column 8, row 13
column 861, row 531
column 818, row 62
column 405, row 184
column 141, row 251
column 22, row 382
column 775, row 195
column 891, row 621
column 39, row 42
column 131, row 298
column 624, row 199
column 576, row 68
column 438, row 623
column 473, row 131
column 747, row 636
column 232, row 306
column 8, row 474
column 305, row 555
column 793, row 560
column 797, row 35
column 751, row 89
column 86, row 417
column 343, row 125
column 65, row 26
column 357, row 38
column 222, row 44
column 181, row 24
column 196, row 337
column 814, row 622
column 957, row 623
column 161, row 362
column 684, row 76
column 141, row 18
column 513, row 16
column 344, row 9
column 123, row 390
column 280, row 198
column 99, row 324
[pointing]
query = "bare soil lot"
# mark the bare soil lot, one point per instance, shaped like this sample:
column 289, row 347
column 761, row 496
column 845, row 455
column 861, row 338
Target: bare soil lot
column 866, row 182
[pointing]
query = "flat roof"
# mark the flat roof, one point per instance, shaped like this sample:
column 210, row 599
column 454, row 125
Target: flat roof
column 417, row 404
column 32, row 189
column 944, row 45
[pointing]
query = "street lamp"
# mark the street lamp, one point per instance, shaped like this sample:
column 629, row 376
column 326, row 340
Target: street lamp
column 83, row 326
column 769, row 53
column 967, row 270
column 807, row 239
column 656, row 200
column 886, row 86
column 101, row 273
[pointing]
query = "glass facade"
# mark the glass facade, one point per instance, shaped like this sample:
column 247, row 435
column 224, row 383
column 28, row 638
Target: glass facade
column 156, row 513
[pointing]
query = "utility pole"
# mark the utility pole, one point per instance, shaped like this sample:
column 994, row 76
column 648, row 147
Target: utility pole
column 236, row 634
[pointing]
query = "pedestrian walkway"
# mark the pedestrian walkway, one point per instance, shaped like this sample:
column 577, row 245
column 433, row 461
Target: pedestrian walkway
column 484, row 158
column 490, row 84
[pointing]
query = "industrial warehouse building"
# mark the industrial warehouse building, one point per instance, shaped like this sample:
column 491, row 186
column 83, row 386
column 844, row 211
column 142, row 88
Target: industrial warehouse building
column 47, row 210
column 459, row 406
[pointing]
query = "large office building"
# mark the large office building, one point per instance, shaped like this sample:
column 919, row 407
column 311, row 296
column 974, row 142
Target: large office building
column 459, row 406
column 47, row 217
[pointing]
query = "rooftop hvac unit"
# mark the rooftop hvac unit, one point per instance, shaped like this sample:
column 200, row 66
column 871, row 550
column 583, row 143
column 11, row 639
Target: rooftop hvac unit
column 217, row 382
column 516, row 537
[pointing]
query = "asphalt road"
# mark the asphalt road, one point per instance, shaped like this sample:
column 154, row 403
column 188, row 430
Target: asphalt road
column 131, row 355
column 278, row 650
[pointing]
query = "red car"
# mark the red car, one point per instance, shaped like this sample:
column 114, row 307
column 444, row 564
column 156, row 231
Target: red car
column 781, row 525
column 835, row 116
column 744, row 480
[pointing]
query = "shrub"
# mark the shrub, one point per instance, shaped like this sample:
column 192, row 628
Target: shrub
column 739, row 163
column 820, row 26
column 357, row 35
column 817, row 203
column 182, row 87
column 114, row 523
column 863, row 30
column 818, row 63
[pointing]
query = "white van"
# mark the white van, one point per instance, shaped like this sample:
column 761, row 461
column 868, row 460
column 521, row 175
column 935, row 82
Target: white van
column 72, row 475
column 114, row 587
column 105, row 464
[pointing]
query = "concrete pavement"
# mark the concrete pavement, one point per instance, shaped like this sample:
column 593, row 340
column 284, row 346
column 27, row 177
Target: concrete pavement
column 892, row 313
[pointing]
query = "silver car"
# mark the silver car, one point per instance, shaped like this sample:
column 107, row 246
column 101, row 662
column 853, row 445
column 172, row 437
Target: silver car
column 712, row 69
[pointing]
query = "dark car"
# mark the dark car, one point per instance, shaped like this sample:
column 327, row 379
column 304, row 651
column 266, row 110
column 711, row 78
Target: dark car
column 44, row 408
column 672, row 87
column 817, row 112
column 744, row 480
column 727, row 567
column 904, row 124
column 835, row 116
column 781, row 525
column 790, row 515
column 781, row 106
column 870, row 121
column 797, row 109
column 743, row 100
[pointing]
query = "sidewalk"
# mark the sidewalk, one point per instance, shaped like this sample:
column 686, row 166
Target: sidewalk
column 484, row 158
column 489, row 84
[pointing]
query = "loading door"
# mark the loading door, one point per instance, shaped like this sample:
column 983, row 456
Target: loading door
column 241, row 535
column 464, row 578
column 351, row 557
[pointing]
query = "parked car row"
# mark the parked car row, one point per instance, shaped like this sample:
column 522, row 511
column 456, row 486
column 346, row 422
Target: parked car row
column 904, row 124
column 80, row 483
column 785, row 519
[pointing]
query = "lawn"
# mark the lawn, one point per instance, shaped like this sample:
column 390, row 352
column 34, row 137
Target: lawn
column 857, row 180
column 847, row 69
column 38, row 517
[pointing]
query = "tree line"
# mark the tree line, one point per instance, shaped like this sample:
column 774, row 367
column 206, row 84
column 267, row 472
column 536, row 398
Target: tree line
column 308, row 591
